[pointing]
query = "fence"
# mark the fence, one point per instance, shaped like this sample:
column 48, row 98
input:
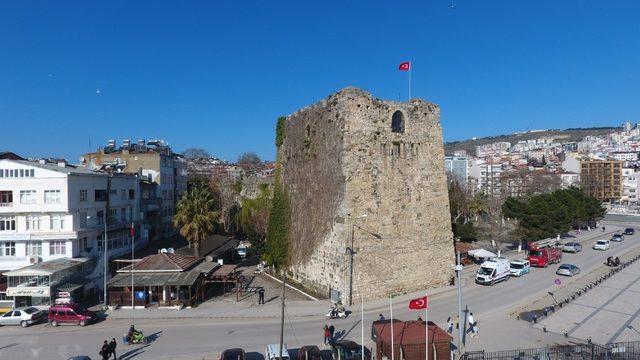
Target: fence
column 613, row 351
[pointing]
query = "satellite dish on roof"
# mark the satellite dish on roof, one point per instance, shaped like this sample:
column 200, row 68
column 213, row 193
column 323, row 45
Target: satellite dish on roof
column 163, row 251
column 171, row 250
column 208, row 258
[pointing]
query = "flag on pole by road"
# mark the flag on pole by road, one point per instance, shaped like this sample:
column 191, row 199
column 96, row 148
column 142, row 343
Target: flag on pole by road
column 419, row 303
column 133, row 230
column 405, row 66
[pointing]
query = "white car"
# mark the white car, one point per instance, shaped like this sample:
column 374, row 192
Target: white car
column 22, row 316
column 601, row 245
column 273, row 352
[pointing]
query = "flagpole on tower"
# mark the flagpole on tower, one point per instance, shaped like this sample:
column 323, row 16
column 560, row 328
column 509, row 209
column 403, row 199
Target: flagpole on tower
column 410, row 80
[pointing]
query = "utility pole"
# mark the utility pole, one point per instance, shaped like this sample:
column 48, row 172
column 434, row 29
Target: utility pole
column 461, row 320
column 351, row 252
column 282, row 314
column 106, row 220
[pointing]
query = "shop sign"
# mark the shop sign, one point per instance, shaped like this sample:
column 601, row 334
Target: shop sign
column 28, row 291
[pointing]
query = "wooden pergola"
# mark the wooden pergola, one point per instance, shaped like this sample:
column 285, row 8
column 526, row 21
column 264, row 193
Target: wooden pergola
column 227, row 275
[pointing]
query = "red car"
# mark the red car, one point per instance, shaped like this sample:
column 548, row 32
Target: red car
column 70, row 314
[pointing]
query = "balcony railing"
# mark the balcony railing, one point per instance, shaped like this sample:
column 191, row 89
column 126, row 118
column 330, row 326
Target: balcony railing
column 6, row 204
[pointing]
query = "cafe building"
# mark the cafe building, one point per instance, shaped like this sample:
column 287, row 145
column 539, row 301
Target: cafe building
column 39, row 284
column 161, row 280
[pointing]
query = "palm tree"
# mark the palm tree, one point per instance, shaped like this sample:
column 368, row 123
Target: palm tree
column 196, row 216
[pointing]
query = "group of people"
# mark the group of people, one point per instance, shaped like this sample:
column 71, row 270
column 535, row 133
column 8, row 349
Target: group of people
column 328, row 334
column 613, row 262
column 473, row 325
column 108, row 348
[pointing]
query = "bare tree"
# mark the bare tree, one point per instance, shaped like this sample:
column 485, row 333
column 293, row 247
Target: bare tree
column 196, row 153
column 225, row 190
column 494, row 226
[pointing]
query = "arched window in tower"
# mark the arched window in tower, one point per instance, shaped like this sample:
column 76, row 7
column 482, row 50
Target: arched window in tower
column 397, row 122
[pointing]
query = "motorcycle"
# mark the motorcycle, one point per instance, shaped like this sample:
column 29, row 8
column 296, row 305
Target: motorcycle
column 337, row 313
column 136, row 338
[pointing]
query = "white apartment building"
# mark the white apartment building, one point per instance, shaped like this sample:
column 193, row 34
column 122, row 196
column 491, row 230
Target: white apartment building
column 487, row 174
column 568, row 179
column 52, row 211
column 630, row 180
column 625, row 155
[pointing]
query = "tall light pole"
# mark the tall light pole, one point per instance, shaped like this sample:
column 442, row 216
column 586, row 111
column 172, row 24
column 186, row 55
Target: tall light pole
column 458, row 269
column 104, row 285
column 351, row 252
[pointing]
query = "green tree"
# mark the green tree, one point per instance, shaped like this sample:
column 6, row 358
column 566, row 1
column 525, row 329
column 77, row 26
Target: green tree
column 196, row 217
column 253, row 217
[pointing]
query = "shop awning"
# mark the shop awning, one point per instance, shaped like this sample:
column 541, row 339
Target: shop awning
column 184, row 278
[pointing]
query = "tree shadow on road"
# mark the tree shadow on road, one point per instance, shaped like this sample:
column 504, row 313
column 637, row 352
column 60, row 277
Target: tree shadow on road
column 8, row 346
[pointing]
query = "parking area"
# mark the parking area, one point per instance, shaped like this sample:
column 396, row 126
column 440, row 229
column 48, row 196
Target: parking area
column 608, row 313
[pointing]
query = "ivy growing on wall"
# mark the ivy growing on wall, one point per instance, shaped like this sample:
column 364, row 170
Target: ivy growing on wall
column 277, row 244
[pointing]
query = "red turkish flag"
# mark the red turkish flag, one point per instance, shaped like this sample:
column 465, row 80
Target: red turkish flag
column 419, row 303
column 405, row 66
column 133, row 230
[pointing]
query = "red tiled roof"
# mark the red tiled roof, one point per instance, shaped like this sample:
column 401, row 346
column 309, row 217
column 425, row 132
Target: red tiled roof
column 163, row 262
column 409, row 332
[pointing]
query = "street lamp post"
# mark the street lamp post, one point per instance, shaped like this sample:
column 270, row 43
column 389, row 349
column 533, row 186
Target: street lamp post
column 105, row 217
column 458, row 269
column 351, row 252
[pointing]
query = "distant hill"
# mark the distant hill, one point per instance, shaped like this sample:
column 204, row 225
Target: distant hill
column 567, row 135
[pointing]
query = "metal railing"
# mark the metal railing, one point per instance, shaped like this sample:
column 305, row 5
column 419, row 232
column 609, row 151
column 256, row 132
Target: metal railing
column 613, row 351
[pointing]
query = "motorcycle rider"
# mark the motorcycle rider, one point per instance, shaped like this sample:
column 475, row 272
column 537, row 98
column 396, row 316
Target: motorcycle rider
column 134, row 335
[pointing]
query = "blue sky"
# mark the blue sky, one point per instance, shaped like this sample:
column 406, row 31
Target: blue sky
column 217, row 74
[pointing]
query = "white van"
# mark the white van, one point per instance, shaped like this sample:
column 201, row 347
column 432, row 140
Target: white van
column 520, row 267
column 493, row 270
column 273, row 352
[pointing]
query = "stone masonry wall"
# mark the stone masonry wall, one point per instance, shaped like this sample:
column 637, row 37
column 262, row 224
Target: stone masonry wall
column 341, row 160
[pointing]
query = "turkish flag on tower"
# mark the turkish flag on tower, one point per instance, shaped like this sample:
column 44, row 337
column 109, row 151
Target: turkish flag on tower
column 405, row 66
column 419, row 303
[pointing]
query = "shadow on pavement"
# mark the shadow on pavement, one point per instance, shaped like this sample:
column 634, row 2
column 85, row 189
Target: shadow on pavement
column 8, row 346
column 153, row 337
column 133, row 353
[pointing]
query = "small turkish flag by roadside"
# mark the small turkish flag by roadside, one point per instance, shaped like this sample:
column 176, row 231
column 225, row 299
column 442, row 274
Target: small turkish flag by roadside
column 405, row 66
column 133, row 230
column 417, row 304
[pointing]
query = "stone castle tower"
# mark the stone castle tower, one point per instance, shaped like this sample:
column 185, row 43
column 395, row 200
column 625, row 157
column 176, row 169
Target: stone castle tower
column 367, row 172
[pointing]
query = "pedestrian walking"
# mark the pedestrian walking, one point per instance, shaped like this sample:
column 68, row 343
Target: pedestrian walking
column 380, row 317
column 457, row 322
column 419, row 318
column 261, row 296
column 471, row 321
column 104, row 351
column 112, row 348
column 326, row 334
column 331, row 331
column 449, row 325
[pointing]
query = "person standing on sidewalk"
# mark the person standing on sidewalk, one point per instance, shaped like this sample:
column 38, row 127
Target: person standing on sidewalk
column 331, row 331
column 112, row 348
column 326, row 334
column 261, row 296
column 449, row 325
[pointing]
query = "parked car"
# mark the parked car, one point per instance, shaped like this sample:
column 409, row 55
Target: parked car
column 601, row 245
column 309, row 352
column 348, row 350
column 70, row 314
column 273, row 352
column 493, row 270
column 520, row 267
column 572, row 247
column 568, row 270
column 617, row 237
column 629, row 231
column 233, row 354
column 22, row 316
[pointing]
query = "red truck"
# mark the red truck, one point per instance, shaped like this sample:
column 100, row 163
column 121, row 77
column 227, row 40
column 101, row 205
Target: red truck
column 544, row 252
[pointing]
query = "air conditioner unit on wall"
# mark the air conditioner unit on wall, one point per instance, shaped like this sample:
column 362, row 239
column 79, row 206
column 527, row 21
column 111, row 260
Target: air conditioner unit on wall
column 34, row 259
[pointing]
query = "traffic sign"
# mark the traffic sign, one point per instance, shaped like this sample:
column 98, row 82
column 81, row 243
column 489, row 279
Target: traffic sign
column 557, row 282
column 139, row 295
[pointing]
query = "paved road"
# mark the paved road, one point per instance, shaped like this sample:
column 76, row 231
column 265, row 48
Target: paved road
column 204, row 337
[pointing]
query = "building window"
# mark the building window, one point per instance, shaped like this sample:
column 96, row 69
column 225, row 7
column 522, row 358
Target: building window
column 101, row 195
column 123, row 215
column 6, row 198
column 31, row 172
column 57, row 222
column 33, row 222
column 123, row 194
column 132, row 194
column 113, row 216
column 99, row 242
column 28, row 197
column 7, row 223
column 83, row 244
column 100, row 217
column 8, row 248
column 397, row 122
column 34, row 248
column 113, row 193
column 57, row 247
column 83, row 219
column 83, row 195
column 52, row 197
